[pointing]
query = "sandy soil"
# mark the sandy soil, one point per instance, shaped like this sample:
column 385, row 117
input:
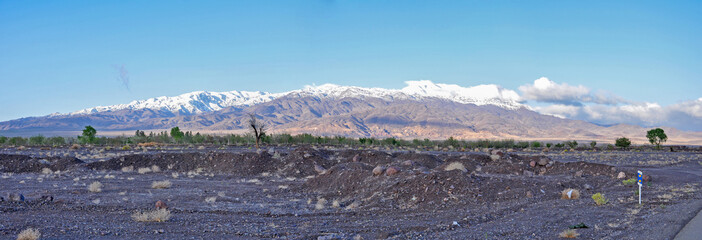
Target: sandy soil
column 324, row 193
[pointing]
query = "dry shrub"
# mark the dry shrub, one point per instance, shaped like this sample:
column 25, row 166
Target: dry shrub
column 144, row 170
column 148, row 144
column 570, row 194
column 128, row 169
column 161, row 184
column 29, row 234
column 46, row 171
column 95, row 187
column 160, row 215
column 155, row 168
column 456, row 166
column 320, row 204
column 75, row 147
column 570, row 233
column 210, row 199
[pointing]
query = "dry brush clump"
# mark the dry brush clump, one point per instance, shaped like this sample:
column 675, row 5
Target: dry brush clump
column 144, row 170
column 456, row 166
column 95, row 187
column 161, row 184
column 159, row 215
column 570, row 233
column 29, row 234
column 570, row 194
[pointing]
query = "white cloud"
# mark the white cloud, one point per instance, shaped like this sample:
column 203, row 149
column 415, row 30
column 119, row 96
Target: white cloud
column 686, row 115
column 545, row 90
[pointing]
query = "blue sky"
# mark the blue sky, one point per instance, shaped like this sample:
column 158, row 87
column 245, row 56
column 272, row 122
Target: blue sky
column 62, row 56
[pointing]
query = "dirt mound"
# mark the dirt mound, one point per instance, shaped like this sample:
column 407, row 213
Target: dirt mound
column 23, row 163
column 244, row 164
column 424, row 160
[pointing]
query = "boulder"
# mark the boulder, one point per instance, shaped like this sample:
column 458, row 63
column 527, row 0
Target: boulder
column 621, row 175
column 391, row 171
column 378, row 170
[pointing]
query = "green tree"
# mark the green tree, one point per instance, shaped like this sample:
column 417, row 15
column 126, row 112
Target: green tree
column 177, row 134
column 36, row 140
column 3, row 139
column 17, row 141
column 593, row 144
column 88, row 135
column 656, row 136
column 622, row 142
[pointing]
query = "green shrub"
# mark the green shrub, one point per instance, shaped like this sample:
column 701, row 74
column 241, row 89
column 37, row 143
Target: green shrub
column 599, row 199
column 3, row 139
column 593, row 144
column 36, row 140
column 622, row 142
column 535, row 144
column 629, row 181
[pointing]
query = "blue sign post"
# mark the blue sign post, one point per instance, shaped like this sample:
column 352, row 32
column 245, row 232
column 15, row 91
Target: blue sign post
column 639, row 180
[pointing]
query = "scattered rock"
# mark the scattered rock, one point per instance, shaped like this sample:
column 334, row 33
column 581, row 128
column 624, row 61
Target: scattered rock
column 161, row 205
column 532, row 163
column 646, row 178
column 356, row 158
column 378, row 170
column 528, row 173
column 319, row 169
column 579, row 173
column 542, row 171
column 495, row 157
column 587, row 186
column 529, row 194
column 331, row 236
column 407, row 163
column 15, row 197
column 543, row 161
column 391, row 171
column 621, row 175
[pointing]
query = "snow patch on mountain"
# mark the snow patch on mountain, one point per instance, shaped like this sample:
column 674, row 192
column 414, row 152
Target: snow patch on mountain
column 203, row 101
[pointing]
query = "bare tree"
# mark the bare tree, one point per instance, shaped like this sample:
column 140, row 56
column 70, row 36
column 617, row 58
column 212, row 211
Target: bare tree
column 258, row 128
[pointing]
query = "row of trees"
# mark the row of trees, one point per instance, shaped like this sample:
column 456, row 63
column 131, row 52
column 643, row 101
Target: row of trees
column 258, row 137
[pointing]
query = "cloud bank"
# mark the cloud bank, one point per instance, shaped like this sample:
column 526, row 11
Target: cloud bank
column 579, row 102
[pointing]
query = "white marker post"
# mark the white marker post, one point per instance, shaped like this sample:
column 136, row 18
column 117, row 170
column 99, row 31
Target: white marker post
column 639, row 178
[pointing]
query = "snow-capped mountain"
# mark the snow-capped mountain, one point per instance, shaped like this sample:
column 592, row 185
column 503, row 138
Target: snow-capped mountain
column 204, row 101
column 189, row 103
column 422, row 109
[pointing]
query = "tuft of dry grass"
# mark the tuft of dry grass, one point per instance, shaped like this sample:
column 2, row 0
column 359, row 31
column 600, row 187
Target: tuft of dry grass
column 144, row 170
column 95, row 187
column 160, row 215
column 570, row 233
column 155, row 168
column 46, row 171
column 210, row 199
column 161, row 184
column 456, row 166
column 128, row 169
column 29, row 234
column 320, row 204
column 148, row 144
column 570, row 194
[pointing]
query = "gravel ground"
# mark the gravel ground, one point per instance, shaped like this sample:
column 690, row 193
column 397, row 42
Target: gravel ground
column 287, row 198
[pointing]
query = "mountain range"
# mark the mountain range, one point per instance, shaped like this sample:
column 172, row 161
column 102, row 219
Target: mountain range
column 422, row 109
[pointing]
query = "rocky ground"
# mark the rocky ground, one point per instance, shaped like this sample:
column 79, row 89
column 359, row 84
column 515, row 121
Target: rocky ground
column 328, row 193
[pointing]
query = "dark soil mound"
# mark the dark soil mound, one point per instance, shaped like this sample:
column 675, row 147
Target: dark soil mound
column 244, row 164
column 23, row 163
